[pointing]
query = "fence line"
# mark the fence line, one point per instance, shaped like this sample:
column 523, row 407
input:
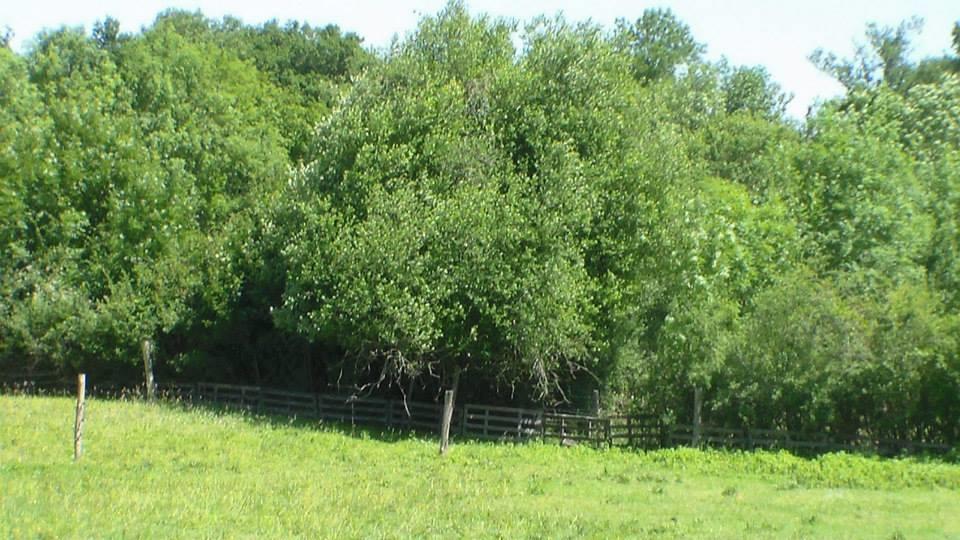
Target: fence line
column 488, row 422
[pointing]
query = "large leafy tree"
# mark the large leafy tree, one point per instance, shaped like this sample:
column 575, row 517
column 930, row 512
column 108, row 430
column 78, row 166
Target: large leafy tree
column 142, row 176
column 430, row 243
column 90, row 157
column 659, row 44
column 866, row 205
column 309, row 66
column 883, row 59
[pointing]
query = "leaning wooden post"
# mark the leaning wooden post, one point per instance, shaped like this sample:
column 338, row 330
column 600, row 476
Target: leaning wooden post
column 447, row 417
column 78, row 423
column 148, row 368
column 697, row 407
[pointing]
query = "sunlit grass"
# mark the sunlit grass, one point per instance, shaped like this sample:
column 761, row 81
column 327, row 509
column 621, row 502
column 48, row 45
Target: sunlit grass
column 160, row 471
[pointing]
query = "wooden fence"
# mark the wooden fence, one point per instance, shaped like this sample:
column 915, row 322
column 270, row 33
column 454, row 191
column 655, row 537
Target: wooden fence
column 489, row 422
column 500, row 423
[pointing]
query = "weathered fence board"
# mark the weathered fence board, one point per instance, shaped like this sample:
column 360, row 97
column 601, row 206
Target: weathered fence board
column 500, row 423
column 638, row 432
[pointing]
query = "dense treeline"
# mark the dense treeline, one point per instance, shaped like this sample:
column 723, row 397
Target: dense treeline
column 598, row 208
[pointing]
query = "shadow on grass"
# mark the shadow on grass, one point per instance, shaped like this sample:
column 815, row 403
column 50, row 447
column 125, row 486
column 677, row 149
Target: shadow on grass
column 355, row 430
column 390, row 434
column 398, row 434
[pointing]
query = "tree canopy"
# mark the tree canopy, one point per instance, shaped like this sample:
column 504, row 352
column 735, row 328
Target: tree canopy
column 525, row 212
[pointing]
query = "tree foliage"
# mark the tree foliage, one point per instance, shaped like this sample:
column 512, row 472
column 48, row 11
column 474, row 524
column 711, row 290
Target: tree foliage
column 594, row 208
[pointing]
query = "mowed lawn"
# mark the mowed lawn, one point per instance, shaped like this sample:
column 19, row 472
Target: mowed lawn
column 159, row 471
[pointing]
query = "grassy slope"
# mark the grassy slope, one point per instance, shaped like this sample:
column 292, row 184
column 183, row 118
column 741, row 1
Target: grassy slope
column 156, row 471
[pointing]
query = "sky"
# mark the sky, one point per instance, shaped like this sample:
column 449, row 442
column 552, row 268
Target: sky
column 777, row 34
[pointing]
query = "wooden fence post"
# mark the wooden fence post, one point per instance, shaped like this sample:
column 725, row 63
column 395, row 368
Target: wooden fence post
column 697, row 407
column 596, row 403
column 447, row 416
column 148, row 368
column 78, row 423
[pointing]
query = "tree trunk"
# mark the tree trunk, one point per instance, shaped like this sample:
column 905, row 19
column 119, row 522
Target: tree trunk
column 697, row 409
column 148, row 349
column 453, row 381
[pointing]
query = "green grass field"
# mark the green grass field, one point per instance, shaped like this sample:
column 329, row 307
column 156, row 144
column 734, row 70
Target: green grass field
column 159, row 471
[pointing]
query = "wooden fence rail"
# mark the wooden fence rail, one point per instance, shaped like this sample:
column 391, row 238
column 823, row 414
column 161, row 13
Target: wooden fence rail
column 569, row 428
column 500, row 423
column 636, row 431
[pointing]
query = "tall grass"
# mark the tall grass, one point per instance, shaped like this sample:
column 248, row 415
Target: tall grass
column 158, row 471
